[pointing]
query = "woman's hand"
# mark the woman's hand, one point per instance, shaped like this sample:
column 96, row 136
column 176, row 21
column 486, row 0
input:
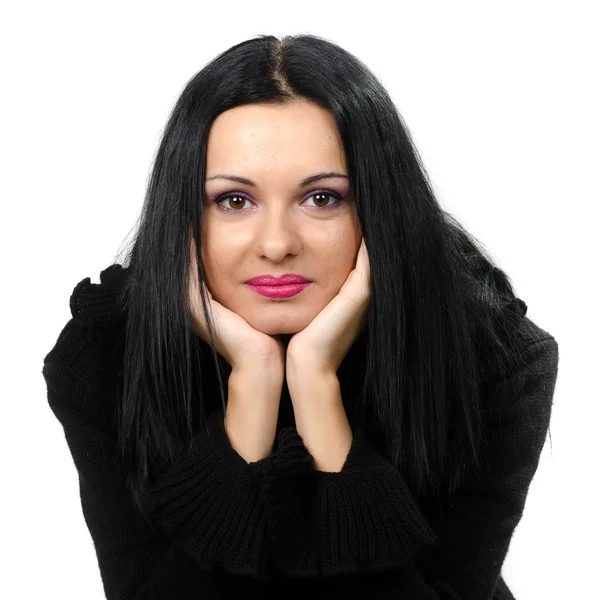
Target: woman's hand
column 322, row 345
column 257, row 370
column 242, row 346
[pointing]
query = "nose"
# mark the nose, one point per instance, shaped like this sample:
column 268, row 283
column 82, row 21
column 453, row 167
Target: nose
column 277, row 235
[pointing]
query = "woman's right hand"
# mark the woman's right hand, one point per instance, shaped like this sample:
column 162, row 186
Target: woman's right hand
column 258, row 369
column 242, row 346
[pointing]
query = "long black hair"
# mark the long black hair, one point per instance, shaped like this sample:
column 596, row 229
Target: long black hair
column 442, row 314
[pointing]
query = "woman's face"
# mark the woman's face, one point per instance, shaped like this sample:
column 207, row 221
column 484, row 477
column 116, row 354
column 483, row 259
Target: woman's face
column 278, row 225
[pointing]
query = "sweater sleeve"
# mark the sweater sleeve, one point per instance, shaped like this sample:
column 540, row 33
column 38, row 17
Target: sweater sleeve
column 206, row 506
column 365, row 519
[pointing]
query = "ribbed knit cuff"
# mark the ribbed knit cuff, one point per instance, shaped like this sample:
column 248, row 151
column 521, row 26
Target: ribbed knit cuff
column 362, row 519
column 211, row 500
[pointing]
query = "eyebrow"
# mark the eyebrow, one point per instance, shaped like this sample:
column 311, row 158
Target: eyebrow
column 301, row 184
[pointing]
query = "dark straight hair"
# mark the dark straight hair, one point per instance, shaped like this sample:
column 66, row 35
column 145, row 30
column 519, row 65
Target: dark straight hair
column 442, row 315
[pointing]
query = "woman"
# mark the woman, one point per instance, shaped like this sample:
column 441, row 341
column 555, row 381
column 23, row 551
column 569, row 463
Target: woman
column 384, row 414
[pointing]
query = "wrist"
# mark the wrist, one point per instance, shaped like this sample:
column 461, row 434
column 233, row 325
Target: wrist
column 309, row 375
column 321, row 420
column 252, row 412
column 261, row 383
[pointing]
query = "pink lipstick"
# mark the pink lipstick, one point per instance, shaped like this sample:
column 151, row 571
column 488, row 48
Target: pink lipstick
column 276, row 288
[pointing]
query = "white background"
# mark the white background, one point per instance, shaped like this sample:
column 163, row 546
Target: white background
column 502, row 100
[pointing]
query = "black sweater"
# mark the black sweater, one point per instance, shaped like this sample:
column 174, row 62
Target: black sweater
column 278, row 527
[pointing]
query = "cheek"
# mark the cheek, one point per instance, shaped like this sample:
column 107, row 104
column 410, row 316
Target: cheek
column 211, row 242
column 210, row 259
column 221, row 261
column 348, row 246
column 338, row 265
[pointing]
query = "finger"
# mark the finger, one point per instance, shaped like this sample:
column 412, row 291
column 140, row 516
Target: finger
column 361, row 259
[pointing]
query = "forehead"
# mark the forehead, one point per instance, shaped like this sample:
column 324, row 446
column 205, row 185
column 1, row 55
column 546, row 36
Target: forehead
column 264, row 136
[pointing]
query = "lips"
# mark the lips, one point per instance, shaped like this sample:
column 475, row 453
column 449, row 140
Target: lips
column 287, row 279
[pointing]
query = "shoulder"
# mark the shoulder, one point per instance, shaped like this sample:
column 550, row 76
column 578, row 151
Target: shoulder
column 97, row 301
column 521, row 338
column 80, row 368
column 521, row 397
column 540, row 347
column 523, row 375
column 96, row 320
column 541, row 354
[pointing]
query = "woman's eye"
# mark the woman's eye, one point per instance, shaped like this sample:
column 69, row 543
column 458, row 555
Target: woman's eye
column 323, row 197
column 235, row 200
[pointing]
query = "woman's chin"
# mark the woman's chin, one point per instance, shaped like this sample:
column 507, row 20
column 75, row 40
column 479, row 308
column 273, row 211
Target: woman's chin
column 282, row 329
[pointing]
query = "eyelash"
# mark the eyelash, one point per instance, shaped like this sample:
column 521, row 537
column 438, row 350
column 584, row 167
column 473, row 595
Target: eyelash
column 335, row 195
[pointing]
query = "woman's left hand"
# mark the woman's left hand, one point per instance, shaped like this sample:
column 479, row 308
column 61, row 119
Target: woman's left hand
column 322, row 345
